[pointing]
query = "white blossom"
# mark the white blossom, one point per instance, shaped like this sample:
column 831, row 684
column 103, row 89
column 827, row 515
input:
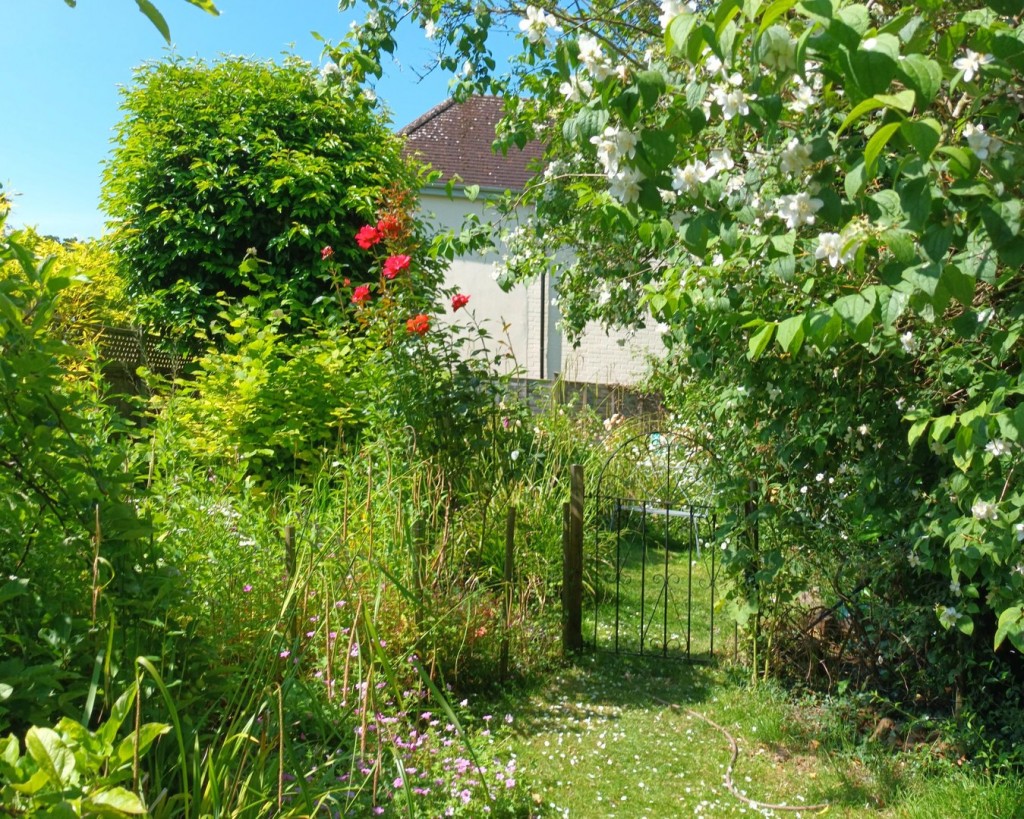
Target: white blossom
column 948, row 616
column 984, row 145
column 998, row 447
column 330, row 69
column 576, row 89
column 778, row 49
column 537, row 24
column 983, row 510
column 430, row 29
column 837, row 248
column 670, row 9
column 688, row 179
column 721, row 160
column 804, row 97
column 731, row 98
column 971, row 63
column 593, row 58
column 913, row 559
column 954, row 588
column 798, row 209
column 909, row 343
column 795, row 159
column 1018, row 530
column 625, row 185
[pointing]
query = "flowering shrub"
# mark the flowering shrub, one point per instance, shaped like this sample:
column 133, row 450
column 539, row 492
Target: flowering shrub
column 819, row 203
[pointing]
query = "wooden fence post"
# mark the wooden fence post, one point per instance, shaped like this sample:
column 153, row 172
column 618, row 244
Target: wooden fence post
column 572, row 566
column 510, row 539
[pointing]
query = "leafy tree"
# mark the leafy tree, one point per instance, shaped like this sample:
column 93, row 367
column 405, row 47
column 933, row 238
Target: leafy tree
column 820, row 203
column 217, row 163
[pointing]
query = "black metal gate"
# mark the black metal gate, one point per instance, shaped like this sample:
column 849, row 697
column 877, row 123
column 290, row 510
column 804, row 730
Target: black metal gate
column 655, row 560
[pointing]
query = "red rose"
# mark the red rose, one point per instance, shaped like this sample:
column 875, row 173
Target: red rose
column 326, row 253
column 418, row 324
column 361, row 294
column 389, row 227
column 367, row 237
column 459, row 300
column 395, row 265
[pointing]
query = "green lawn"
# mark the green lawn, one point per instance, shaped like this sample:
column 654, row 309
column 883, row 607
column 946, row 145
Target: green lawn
column 598, row 739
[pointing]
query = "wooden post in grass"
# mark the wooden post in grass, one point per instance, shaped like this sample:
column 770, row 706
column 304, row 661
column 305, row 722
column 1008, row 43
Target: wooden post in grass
column 572, row 565
column 510, row 540
column 289, row 569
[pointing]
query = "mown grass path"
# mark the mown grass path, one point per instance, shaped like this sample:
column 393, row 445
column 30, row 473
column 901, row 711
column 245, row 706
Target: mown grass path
column 598, row 740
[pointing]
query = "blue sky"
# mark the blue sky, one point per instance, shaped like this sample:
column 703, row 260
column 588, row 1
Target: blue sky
column 60, row 70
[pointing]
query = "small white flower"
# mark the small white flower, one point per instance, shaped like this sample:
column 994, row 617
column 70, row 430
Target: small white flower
column 625, row 185
column 796, row 157
column 948, row 616
column 514, row 455
column 576, row 89
column 670, row 9
column 430, row 29
column 593, row 58
column 997, row 447
column 778, row 49
column 537, row 24
column 731, row 98
column 971, row 63
column 914, row 560
column 804, row 97
column 983, row 510
column 819, row 477
column 803, row 490
column 329, row 70
column 798, row 209
column 1018, row 530
column 909, row 343
column 830, row 246
column 687, row 180
column 954, row 588
column 984, row 145
column 863, row 429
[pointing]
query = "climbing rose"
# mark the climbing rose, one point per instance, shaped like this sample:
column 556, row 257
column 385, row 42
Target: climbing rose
column 326, row 253
column 459, row 300
column 361, row 294
column 418, row 324
column 395, row 265
column 367, row 237
column 389, row 227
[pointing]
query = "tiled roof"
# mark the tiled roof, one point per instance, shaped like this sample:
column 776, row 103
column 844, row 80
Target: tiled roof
column 456, row 138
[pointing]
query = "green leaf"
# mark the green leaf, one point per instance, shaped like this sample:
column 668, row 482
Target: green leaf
column 52, row 756
column 205, row 5
column 874, row 68
column 773, row 13
column 155, row 17
column 916, row 430
column 115, row 801
column 962, row 163
column 651, row 85
column 856, row 310
column 924, row 135
column 903, row 101
column 923, row 75
column 759, row 342
column 678, row 32
column 790, row 334
column 942, row 426
column 1011, row 625
column 958, row 284
column 875, row 146
column 471, row 192
column 923, row 277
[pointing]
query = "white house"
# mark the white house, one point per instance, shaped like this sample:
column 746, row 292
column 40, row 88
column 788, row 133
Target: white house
column 456, row 139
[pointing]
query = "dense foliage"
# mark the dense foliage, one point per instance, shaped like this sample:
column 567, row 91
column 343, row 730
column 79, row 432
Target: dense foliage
column 217, row 163
column 819, row 202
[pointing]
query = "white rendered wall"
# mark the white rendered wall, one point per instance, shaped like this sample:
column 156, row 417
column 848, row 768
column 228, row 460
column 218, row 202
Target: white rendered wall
column 523, row 323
